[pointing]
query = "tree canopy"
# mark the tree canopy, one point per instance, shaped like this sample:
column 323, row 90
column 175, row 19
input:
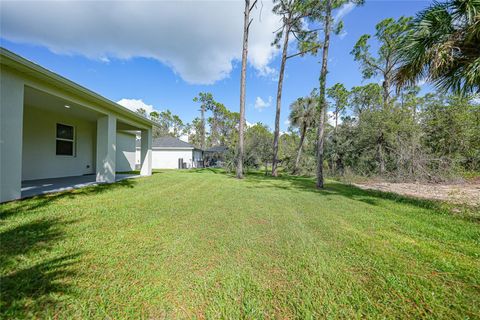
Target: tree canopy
column 443, row 48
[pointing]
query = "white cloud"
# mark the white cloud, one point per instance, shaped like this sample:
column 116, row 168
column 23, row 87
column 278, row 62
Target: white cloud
column 343, row 11
column 343, row 34
column 268, row 72
column 135, row 104
column 199, row 40
column 261, row 104
column 286, row 122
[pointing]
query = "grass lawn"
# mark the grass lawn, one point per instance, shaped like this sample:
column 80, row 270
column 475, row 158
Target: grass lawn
column 201, row 244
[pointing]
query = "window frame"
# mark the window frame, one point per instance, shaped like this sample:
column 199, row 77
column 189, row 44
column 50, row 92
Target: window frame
column 73, row 140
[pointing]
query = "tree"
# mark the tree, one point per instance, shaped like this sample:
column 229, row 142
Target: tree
column 368, row 104
column 193, row 130
column 443, row 48
column 389, row 34
column 206, row 103
column 451, row 130
column 323, row 14
column 340, row 97
column 177, row 126
column 241, row 122
column 223, row 124
column 142, row 112
column 292, row 12
column 302, row 116
column 167, row 124
column 366, row 97
column 258, row 140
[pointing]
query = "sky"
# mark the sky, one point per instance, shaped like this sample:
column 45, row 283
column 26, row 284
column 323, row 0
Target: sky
column 160, row 54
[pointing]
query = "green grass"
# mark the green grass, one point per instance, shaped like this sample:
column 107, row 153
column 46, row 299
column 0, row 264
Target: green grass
column 201, row 244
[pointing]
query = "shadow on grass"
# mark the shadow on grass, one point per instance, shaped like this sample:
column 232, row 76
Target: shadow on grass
column 371, row 197
column 31, row 276
column 24, row 205
column 29, row 291
column 137, row 172
column 207, row 170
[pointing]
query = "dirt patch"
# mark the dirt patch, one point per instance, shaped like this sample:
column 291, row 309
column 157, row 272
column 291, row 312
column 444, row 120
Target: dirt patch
column 465, row 193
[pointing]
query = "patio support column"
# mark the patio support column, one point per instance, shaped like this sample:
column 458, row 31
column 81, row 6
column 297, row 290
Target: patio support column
column 11, row 136
column 146, row 153
column 106, row 148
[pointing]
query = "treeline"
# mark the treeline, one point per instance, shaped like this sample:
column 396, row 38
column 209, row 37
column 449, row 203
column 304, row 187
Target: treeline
column 384, row 128
column 432, row 137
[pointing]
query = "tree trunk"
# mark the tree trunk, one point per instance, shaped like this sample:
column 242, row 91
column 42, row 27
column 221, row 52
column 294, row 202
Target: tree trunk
column 299, row 152
column 320, row 140
column 335, row 146
column 322, row 100
column 386, row 87
column 381, row 157
column 246, row 22
column 202, row 134
column 276, row 135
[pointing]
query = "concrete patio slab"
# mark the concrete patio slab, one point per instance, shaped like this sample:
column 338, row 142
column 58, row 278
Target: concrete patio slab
column 33, row 188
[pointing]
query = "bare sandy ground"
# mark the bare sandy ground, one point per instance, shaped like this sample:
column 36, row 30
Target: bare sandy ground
column 465, row 193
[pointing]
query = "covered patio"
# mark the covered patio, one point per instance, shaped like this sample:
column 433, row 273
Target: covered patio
column 38, row 187
column 57, row 135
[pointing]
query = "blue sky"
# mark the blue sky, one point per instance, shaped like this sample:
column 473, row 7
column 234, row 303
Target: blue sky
column 167, row 83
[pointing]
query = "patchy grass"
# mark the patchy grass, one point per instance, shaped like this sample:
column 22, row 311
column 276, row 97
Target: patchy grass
column 201, row 244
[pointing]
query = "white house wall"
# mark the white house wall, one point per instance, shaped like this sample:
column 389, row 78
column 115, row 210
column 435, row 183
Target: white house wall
column 39, row 159
column 11, row 119
column 125, row 152
column 168, row 158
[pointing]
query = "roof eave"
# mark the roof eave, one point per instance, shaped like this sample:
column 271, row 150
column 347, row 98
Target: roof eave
column 25, row 66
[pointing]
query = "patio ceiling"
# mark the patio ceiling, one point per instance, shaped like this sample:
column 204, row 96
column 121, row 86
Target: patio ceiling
column 42, row 100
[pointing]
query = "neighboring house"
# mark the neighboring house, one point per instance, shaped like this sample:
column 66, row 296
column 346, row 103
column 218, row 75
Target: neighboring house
column 51, row 127
column 215, row 156
column 172, row 153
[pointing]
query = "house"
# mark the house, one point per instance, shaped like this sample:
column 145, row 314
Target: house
column 51, row 127
column 215, row 156
column 172, row 153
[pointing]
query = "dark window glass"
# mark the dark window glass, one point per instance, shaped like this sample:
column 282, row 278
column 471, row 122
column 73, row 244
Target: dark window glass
column 64, row 132
column 64, row 148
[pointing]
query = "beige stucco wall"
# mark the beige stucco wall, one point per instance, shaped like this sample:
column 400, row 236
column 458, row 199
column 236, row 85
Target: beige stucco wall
column 39, row 158
column 125, row 152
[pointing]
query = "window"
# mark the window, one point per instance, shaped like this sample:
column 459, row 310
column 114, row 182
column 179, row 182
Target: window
column 65, row 140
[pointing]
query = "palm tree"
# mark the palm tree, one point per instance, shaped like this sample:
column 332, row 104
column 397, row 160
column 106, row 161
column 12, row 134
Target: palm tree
column 443, row 47
column 302, row 116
